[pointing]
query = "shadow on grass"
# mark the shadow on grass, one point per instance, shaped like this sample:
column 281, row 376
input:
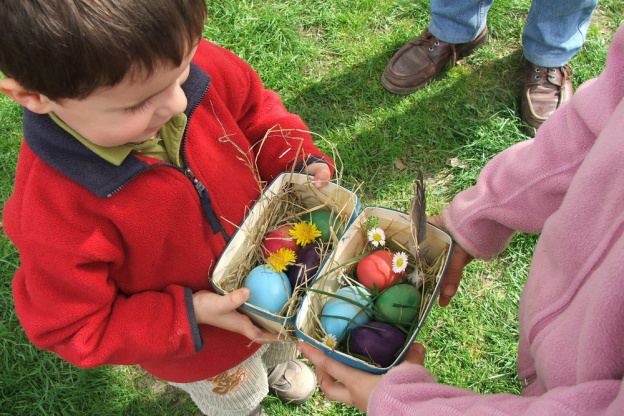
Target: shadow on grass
column 474, row 104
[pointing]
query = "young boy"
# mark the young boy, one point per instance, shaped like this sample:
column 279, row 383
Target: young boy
column 142, row 153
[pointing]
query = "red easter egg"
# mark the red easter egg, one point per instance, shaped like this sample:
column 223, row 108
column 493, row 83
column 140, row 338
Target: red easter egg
column 279, row 238
column 376, row 269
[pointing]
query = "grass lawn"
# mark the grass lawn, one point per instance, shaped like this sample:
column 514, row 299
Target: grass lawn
column 325, row 58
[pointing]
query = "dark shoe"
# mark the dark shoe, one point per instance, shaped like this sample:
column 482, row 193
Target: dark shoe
column 545, row 90
column 418, row 62
column 293, row 382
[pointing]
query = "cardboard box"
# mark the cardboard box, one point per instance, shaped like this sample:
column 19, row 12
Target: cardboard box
column 286, row 195
column 437, row 248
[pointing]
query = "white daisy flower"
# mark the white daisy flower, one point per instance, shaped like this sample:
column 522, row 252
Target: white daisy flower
column 399, row 262
column 377, row 237
column 330, row 341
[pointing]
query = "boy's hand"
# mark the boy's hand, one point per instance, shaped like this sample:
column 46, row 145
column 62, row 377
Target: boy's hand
column 321, row 173
column 346, row 384
column 220, row 311
column 459, row 260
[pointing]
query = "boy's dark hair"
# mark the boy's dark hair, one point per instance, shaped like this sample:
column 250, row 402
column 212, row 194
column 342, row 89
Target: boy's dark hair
column 69, row 48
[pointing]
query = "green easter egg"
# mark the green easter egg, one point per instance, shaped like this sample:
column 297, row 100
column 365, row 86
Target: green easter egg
column 405, row 295
column 324, row 220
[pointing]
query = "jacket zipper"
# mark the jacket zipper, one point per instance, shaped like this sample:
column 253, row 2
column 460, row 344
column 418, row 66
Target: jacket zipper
column 131, row 178
column 204, row 196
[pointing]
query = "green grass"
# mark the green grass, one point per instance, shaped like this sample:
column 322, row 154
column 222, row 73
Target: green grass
column 325, row 59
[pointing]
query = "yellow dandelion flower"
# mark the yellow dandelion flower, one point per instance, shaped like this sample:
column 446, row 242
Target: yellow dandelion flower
column 304, row 233
column 281, row 259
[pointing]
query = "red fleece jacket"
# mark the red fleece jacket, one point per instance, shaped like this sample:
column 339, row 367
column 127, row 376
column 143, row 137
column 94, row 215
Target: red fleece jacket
column 108, row 279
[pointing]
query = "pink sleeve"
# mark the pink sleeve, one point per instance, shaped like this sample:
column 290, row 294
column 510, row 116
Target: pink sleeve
column 520, row 187
column 523, row 185
column 410, row 389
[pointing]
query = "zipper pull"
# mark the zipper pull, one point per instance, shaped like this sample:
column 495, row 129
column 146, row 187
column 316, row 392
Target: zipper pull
column 201, row 189
column 204, row 197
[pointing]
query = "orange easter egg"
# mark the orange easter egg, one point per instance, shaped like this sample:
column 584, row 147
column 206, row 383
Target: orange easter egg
column 376, row 269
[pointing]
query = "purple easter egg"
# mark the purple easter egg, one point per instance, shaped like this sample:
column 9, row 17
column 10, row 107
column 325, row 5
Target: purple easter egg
column 379, row 341
column 303, row 271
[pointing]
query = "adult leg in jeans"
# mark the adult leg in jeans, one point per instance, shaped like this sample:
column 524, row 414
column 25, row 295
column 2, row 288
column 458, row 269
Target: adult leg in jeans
column 457, row 21
column 554, row 32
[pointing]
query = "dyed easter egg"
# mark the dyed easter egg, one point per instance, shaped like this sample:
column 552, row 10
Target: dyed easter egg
column 325, row 221
column 339, row 316
column 277, row 239
column 399, row 303
column 376, row 269
column 356, row 294
column 303, row 271
column 378, row 341
column 270, row 290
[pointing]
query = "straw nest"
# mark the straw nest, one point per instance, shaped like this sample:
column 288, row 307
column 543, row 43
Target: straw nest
column 287, row 204
column 429, row 265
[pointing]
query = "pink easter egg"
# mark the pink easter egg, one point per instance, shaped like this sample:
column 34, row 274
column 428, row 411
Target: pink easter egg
column 376, row 269
column 277, row 239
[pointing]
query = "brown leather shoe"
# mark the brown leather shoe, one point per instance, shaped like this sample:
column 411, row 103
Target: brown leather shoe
column 545, row 90
column 418, row 62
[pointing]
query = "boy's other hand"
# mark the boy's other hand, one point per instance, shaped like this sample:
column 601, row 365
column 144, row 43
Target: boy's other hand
column 220, row 311
column 321, row 172
column 459, row 260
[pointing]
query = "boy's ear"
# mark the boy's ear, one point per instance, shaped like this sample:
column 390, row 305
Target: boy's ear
column 35, row 102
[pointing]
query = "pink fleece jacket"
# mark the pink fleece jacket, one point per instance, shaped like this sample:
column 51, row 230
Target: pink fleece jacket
column 568, row 184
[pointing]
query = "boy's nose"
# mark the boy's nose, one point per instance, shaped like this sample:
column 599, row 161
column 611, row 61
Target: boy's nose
column 173, row 103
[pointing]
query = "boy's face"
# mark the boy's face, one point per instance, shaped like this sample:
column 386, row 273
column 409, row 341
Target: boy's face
column 129, row 112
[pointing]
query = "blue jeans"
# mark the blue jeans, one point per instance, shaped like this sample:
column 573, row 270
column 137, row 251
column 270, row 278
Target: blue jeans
column 553, row 33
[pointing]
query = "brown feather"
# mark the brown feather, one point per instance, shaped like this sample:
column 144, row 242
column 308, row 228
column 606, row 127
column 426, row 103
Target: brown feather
column 418, row 214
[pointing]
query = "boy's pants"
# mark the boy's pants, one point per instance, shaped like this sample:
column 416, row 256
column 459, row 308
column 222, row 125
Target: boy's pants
column 239, row 391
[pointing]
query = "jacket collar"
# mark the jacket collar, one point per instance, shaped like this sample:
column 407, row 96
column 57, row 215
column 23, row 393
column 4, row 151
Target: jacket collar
column 64, row 153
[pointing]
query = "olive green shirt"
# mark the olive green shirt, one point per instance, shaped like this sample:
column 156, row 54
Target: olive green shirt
column 165, row 147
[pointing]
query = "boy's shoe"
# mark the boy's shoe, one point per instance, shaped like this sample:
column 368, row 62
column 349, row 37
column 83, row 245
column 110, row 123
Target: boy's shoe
column 545, row 90
column 293, row 382
column 418, row 62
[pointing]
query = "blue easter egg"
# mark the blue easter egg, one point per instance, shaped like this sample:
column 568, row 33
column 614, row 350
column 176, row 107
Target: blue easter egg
column 339, row 316
column 270, row 290
column 357, row 294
